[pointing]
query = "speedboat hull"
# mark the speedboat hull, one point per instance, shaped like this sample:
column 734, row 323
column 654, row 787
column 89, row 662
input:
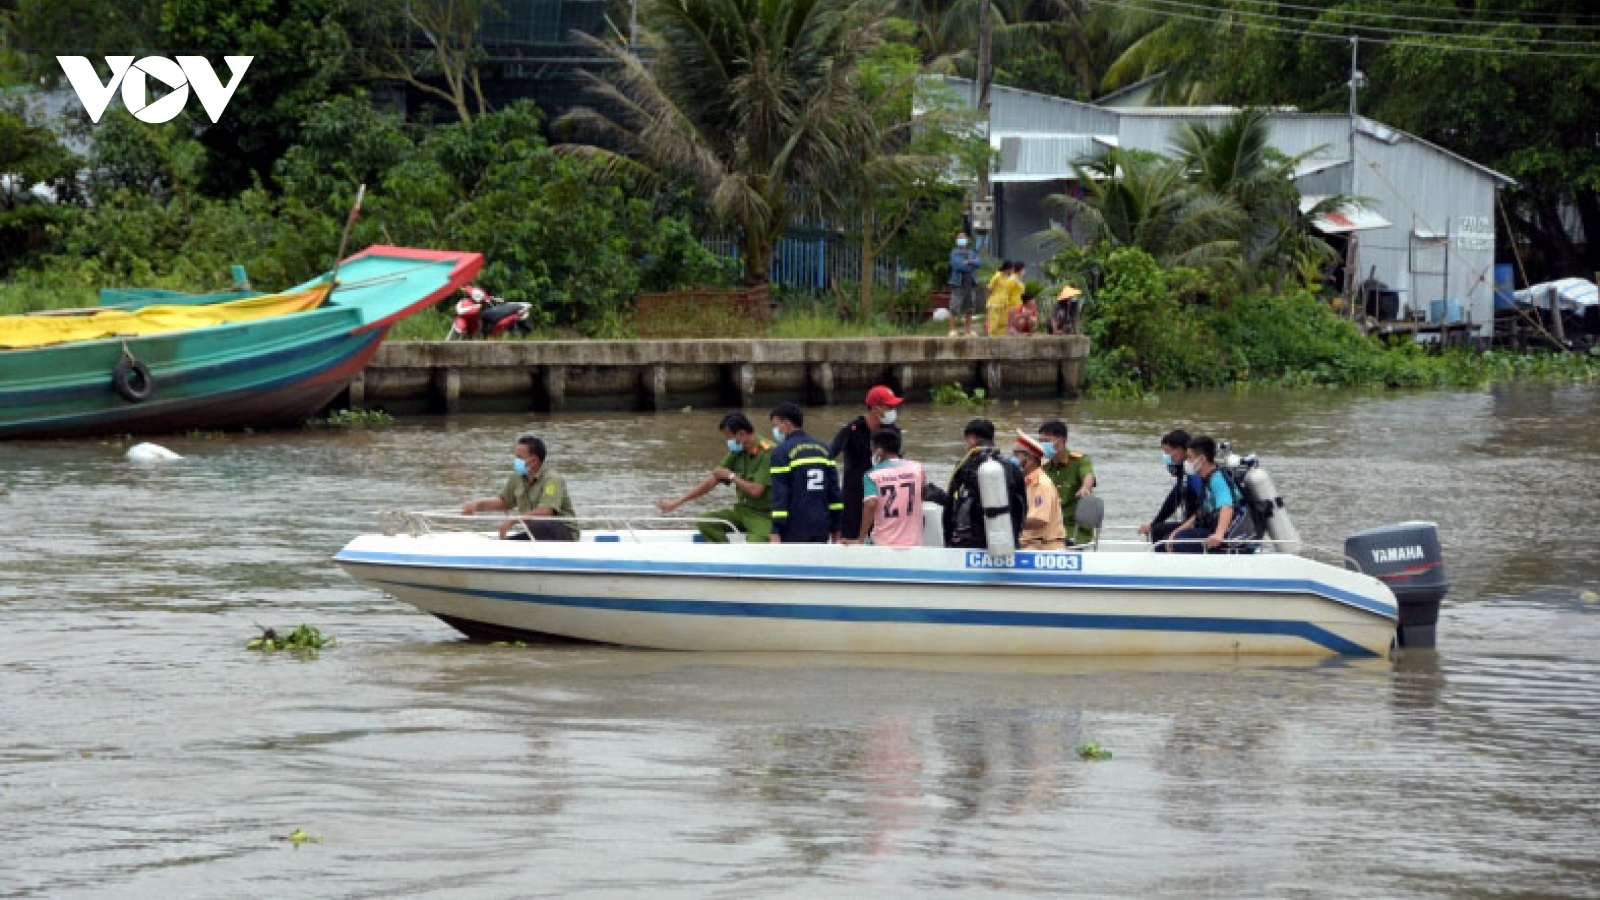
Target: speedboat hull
column 685, row 596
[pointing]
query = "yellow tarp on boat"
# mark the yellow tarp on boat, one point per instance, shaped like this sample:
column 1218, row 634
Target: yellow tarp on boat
column 42, row 330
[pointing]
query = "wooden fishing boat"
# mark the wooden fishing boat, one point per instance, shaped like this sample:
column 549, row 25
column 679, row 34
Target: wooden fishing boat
column 161, row 362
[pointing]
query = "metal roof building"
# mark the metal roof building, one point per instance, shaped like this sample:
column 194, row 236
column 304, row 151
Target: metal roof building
column 1429, row 233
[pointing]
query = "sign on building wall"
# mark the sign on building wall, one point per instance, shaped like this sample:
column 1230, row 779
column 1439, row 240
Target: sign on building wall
column 1474, row 233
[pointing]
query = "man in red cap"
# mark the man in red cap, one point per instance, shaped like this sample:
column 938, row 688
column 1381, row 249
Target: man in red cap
column 1043, row 529
column 852, row 446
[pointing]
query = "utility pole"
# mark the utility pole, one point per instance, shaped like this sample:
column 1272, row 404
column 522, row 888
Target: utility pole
column 1355, row 83
column 983, row 208
column 1352, row 283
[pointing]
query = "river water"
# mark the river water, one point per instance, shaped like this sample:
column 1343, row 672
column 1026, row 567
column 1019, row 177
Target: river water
column 145, row 753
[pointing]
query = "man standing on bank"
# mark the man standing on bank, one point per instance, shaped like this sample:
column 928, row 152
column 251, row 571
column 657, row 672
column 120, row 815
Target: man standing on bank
column 1073, row 475
column 852, row 447
column 805, row 483
column 537, row 496
column 964, row 265
column 747, row 468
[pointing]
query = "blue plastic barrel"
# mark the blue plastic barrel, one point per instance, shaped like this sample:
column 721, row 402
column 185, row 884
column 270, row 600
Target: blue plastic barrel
column 1504, row 286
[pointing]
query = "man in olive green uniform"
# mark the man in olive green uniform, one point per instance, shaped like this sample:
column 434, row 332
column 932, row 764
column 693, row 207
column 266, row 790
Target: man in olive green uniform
column 748, row 470
column 1073, row 475
column 536, row 494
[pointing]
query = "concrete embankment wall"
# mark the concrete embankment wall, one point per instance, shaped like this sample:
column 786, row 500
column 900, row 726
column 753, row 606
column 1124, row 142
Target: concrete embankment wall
column 553, row 376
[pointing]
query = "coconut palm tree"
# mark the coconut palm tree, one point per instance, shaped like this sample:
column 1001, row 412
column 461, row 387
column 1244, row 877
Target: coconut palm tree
column 1139, row 199
column 755, row 101
column 1236, row 160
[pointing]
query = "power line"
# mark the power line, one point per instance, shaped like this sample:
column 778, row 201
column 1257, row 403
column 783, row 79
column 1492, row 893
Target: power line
column 1362, row 31
column 1143, row 6
column 1476, row 17
column 1487, row 14
column 1404, row 17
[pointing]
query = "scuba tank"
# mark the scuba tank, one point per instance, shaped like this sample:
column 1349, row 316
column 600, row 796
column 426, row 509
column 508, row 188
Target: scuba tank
column 1263, row 494
column 1263, row 497
column 996, row 500
column 932, row 524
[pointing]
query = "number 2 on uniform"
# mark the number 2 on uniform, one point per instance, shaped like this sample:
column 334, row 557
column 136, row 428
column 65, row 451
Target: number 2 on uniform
column 814, row 480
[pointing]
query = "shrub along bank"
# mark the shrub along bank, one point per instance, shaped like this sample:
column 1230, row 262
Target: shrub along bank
column 1156, row 330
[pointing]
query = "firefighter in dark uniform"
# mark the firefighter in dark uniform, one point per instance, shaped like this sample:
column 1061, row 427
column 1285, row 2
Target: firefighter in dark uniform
column 805, row 483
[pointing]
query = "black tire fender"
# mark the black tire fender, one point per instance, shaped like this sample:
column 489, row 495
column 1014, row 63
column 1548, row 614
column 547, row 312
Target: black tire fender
column 131, row 380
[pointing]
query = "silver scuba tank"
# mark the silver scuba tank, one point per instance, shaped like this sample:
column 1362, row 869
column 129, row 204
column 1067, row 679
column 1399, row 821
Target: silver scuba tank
column 1260, row 491
column 932, row 524
column 996, row 501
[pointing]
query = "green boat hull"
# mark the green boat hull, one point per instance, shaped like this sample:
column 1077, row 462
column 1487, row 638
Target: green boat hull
column 258, row 374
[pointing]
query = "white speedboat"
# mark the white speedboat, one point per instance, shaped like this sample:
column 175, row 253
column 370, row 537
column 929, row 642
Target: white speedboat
column 642, row 587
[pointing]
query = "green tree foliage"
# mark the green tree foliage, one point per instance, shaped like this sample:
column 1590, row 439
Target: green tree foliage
column 1470, row 77
column 301, row 52
column 1139, row 199
column 755, row 101
column 1234, row 161
column 30, row 156
column 554, row 234
column 900, row 173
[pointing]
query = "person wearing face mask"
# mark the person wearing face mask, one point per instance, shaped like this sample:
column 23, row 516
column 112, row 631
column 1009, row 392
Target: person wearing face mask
column 1184, row 497
column 852, row 447
column 535, row 495
column 747, row 468
column 1071, row 472
column 892, row 513
column 805, row 483
column 963, row 509
column 964, row 264
column 1206, row 530
column 1043, row 528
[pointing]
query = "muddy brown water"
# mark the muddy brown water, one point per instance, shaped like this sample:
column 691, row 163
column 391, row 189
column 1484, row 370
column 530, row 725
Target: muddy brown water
column 145, row 753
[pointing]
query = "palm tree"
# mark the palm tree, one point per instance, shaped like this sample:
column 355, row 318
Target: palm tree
column 756, row 101
column 1139, row 199
column 1236, row 160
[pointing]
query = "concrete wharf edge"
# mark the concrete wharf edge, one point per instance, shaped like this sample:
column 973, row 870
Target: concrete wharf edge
column 645, row 375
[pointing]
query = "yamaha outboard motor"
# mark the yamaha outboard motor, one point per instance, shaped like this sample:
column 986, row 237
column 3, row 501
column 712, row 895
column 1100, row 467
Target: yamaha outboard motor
column 1405, row 557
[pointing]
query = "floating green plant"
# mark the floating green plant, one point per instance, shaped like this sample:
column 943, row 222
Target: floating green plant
column 303, row 637
column 1092, row 751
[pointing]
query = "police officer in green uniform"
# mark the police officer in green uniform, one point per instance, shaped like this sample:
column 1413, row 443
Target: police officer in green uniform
column 748, row 470
column 537, row 495
column 1073, row 475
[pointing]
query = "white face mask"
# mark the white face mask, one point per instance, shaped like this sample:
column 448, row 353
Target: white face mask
column 961, row 242
column 1189, row 468
column 888, row 417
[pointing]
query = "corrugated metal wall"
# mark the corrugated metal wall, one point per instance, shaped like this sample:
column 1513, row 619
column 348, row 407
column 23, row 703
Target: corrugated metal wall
column 1424, row 192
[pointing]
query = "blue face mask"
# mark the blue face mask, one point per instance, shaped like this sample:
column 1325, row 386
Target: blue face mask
column 776, row 434
column 1049, row 449
column 521, row 465
column 1015, row 462
column 1166, row 460
column 734, row 446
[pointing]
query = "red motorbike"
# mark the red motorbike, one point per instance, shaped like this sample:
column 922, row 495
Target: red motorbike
column 479, row 315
